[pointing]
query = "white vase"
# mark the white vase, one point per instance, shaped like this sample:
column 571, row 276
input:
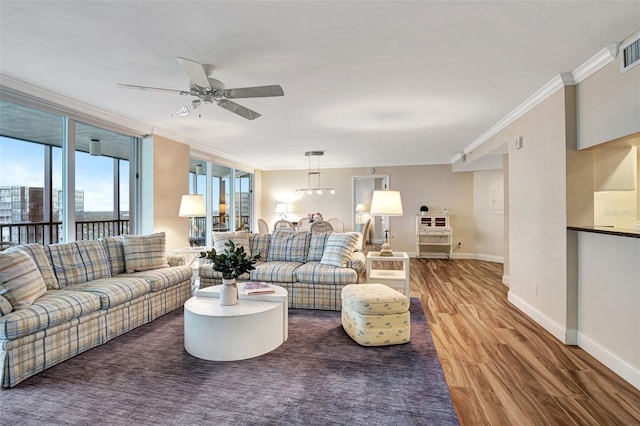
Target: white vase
column 228, row 292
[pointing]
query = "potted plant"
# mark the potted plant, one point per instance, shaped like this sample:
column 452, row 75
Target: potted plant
column 232, row 263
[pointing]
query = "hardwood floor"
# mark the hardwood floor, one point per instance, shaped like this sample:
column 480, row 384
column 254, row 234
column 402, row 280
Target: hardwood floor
column 504, row 369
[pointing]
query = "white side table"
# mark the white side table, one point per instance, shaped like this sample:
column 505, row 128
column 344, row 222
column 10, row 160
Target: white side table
column 193, row 256
column 257, row 324
column 394, row 278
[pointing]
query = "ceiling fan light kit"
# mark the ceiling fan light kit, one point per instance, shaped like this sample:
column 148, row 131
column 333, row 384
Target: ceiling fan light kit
column 209, row 90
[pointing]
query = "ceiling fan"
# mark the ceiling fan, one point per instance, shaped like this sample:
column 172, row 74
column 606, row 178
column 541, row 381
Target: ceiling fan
column 209, row 90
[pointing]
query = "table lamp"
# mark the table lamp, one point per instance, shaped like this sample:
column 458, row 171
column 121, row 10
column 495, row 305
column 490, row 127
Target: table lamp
column 386, row 203
column 192, row 206
column 282, row 209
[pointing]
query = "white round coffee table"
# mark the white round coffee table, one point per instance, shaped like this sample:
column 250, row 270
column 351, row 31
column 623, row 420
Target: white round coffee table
column 257, row 324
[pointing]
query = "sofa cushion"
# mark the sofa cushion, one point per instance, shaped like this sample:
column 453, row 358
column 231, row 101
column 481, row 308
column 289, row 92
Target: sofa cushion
column 289, row 246
column 162, row 278
column 114, row 248
column 206, row 271
column 318, row 273
column 145, row 252
column 275, row 272
column 20, row 280
column 78, row 262
column 317, row 245
column 240, row 239
column 339, row 248
column 37, row 253
column 5, row 306
column 114, row 291
column 260, row 244
column 52, row 308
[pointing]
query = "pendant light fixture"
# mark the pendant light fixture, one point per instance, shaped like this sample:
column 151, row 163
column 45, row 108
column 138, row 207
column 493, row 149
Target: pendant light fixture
column 315, row 176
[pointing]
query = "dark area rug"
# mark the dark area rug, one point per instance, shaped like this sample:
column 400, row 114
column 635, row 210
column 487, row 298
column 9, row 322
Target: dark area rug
column 317, row 377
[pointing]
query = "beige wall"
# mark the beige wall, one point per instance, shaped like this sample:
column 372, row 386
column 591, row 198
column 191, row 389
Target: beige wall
column 167, row 181
column 435, row 186
column 488, row 214
column 608, row 105
column 537, row 213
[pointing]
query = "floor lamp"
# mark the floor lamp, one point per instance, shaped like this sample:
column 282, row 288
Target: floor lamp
column 192, row 206
column 386, row 203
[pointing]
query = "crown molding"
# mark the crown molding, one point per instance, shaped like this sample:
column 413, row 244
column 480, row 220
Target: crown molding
column 595, row 63
column 60, row 104
column 599, row 60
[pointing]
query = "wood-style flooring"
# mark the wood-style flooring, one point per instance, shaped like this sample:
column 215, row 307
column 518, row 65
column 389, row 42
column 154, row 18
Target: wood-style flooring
column 504, row 369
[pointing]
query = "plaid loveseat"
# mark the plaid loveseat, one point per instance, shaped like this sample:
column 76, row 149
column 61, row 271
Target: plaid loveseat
column 60, row 300
column 312, row 267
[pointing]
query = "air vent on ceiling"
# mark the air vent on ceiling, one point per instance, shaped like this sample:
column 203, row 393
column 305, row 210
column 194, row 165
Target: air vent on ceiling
column 630, row 54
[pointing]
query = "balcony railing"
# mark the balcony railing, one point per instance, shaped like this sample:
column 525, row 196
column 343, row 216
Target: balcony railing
column 51, row 232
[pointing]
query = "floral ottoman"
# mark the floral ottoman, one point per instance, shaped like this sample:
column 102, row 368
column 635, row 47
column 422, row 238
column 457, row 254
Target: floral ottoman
column 375, row 315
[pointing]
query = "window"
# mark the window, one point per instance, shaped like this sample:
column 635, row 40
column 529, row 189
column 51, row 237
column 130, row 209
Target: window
column 32, row 193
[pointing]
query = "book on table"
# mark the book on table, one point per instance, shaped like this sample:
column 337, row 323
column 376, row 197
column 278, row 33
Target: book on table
column 256, row 287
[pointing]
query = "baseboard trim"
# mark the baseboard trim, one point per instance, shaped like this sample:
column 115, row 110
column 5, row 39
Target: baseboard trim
column 619, row 366
column 468, row 256
column 506, row 279
column 559, row 332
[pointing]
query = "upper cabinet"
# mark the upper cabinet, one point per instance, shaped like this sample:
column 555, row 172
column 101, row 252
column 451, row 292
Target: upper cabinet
column 615, row 169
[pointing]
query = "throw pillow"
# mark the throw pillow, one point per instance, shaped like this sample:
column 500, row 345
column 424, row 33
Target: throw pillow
column 114, row 248
column 260, row 244
column 316, row 247
column 145, row 252
column 338, row 249
column 21, row 282
column 289, row 246
column 37, row 253
column 78, row 262
column 240, row 239
column 5, row 306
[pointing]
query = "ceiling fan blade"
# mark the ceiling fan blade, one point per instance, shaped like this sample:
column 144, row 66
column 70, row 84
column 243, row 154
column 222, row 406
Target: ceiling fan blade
column 238, row 109
column 196, row 73
column 160, row 89
column 254, row 92
column 183, row 110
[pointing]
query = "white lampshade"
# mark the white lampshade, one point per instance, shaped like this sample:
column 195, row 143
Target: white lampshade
column 360, row 207
column 282, row 208
column 192, row 206
column 386, row 203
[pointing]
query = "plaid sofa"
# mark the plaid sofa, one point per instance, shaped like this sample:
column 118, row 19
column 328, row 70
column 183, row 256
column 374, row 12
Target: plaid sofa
column 89, row 298
column 312, row 267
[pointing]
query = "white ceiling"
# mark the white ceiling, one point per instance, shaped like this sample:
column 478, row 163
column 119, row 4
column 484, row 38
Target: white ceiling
column 370, row 83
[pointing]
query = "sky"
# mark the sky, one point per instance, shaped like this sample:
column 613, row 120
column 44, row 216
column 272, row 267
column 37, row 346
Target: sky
column 22, row 164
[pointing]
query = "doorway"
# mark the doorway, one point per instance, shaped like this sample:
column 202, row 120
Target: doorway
column 363, row 187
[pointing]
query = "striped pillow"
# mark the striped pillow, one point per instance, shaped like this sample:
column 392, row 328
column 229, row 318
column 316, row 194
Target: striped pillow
column 240, row 239
column 338, row 249
column 21, row 282
column 78, row 262
column 145, row 252
column 289, row 246
column 316, row 247
column 37, row 253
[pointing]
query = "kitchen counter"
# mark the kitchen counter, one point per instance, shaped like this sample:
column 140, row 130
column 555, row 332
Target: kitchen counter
column 620, row 232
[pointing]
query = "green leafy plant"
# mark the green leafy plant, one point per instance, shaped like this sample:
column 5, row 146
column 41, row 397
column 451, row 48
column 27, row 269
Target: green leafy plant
column 233, row 262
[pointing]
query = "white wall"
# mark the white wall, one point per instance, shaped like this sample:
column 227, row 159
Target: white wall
column 608, row 105
column 488, row 214
column 609, row 309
